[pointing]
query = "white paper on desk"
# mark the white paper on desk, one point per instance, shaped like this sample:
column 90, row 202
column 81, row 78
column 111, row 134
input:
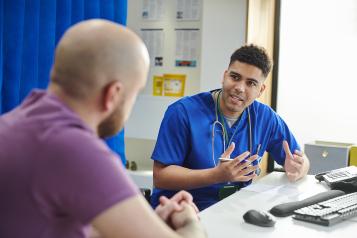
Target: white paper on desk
column 258, row 187
column 284, row 190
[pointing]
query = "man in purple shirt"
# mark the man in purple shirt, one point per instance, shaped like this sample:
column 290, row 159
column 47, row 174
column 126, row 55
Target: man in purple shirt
column 56, row 176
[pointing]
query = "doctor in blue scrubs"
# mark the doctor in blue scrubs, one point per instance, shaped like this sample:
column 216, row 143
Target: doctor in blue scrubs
column 212, row 142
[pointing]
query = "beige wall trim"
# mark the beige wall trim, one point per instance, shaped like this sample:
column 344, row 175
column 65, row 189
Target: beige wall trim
column 260, row 31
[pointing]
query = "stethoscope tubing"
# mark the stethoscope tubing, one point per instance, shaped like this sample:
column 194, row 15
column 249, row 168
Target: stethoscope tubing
column 217, row 122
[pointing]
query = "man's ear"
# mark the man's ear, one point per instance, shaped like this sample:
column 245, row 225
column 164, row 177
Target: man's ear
column 111, row 95
column 262, row 89
column 224, row 76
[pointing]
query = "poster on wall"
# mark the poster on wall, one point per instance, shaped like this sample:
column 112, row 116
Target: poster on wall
column 188, row 10
column 172, row 85
column 154, row 41
column 187, row 45
column 152, row 10
column 157, row 85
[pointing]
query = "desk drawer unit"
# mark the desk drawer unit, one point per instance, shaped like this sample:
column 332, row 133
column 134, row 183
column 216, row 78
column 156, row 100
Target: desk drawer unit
column 325, row 156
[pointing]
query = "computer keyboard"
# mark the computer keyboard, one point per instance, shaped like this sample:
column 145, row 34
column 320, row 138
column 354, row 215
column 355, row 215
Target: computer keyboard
column 330, row 211
column 287, row 209
column 338, row 175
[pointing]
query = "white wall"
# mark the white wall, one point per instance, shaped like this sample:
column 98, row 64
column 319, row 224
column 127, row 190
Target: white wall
column 317, row 88
column 223, row 31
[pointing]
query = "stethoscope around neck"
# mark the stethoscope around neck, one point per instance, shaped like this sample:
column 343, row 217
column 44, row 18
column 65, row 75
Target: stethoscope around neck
column 218, row 123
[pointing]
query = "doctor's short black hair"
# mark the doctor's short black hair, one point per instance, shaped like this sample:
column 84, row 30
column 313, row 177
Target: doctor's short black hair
column 253, row 55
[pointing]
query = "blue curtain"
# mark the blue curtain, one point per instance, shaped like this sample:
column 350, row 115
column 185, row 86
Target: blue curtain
column 29, row 32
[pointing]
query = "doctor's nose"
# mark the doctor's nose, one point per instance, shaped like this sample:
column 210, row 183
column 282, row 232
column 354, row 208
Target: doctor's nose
column 239, row 86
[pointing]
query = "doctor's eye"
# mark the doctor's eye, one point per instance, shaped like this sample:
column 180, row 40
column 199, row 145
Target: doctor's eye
column 252, row 84
column 235, row 77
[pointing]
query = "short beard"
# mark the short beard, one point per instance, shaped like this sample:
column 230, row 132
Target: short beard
column 111, row 125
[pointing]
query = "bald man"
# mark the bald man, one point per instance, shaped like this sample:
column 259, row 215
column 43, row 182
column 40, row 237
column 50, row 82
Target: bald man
column 56, row 175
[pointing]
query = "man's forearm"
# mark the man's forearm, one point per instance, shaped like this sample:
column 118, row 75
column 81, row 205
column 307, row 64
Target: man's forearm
column 176, row 177
column 192, row 229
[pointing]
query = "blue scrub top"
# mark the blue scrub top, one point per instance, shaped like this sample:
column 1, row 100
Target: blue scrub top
column 185, row 139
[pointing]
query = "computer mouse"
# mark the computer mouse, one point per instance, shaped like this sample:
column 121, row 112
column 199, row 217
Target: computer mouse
column 259, row 218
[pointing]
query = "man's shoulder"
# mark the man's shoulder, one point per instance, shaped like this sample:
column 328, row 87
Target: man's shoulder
column 76, row 142
column 265, row 114
column 261, row 108
column 54, row 124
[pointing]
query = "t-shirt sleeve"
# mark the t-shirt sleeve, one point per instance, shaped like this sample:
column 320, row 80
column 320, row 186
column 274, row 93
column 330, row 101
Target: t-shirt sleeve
column 82, row 177
column 278, row 134
column 173, row 141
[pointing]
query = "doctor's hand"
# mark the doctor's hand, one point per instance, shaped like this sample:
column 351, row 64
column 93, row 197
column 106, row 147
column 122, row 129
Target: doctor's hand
column 295, row 167
column 239, row 169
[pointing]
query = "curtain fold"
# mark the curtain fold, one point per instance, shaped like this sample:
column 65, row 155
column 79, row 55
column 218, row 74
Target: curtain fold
column 29, row 73
column 12, row 52
column 29, row 32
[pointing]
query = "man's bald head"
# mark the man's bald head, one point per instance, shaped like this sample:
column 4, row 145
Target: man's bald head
column 93, row 53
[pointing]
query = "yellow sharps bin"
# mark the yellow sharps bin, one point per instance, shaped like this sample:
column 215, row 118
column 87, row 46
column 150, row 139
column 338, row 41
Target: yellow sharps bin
column 353, row 155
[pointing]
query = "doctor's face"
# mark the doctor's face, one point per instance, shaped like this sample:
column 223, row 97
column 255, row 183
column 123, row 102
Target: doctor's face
column 242, row 84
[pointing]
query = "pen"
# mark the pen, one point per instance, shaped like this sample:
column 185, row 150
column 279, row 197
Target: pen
column 225, row 159
column 259, row 157
column 257, row 172
column 258, row 149
column 229, row 159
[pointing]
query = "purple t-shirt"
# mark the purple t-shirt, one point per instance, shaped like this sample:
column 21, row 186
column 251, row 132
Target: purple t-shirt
column 56, row 175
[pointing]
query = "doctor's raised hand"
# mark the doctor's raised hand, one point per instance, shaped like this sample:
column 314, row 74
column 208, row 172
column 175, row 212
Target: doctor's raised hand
column 296, row 166
column 238, row 169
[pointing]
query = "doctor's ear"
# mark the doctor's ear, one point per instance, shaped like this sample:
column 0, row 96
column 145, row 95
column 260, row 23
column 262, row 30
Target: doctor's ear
column 224, row 75
column 262, row 89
